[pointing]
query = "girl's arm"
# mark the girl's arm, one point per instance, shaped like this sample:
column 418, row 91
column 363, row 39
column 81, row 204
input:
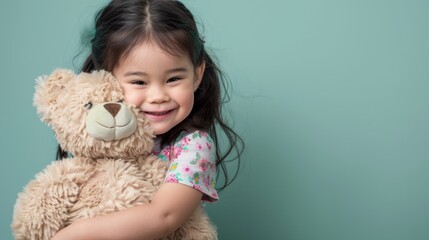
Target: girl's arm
column 171, row 206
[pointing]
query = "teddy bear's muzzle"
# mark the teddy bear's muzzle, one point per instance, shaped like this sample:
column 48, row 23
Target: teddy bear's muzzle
column 110, row 121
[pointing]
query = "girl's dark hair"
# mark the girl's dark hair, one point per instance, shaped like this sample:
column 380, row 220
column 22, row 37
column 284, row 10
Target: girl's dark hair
column 123, row 24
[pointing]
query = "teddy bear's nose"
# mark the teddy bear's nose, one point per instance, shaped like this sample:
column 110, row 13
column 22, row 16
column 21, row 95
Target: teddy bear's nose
column 112, row 108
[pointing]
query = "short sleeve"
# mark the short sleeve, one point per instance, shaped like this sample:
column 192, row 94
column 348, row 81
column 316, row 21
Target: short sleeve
column 193, row 163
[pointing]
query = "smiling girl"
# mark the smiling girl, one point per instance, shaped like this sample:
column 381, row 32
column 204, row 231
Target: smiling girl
column 154, row 49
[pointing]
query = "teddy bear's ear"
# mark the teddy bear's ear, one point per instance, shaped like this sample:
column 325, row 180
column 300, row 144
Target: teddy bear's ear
column 48, row 88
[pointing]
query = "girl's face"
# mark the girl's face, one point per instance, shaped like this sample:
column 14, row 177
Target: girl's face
column 161, row 85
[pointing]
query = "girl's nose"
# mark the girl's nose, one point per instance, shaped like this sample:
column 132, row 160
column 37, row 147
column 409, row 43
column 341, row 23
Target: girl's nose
column 157, row 94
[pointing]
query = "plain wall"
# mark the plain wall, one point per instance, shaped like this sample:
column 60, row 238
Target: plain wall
column 331, row 98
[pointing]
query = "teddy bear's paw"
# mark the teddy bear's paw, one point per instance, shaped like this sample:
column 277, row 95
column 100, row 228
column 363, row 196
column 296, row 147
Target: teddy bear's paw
column 40, row 213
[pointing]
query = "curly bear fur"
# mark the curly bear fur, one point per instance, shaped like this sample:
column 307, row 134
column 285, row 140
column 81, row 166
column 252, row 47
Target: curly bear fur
column 111, row 168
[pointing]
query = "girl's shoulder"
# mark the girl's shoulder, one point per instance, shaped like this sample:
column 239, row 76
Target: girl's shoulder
column 194, row 141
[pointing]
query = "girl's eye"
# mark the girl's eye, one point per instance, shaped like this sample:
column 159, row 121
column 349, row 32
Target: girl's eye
column 120, row 101
column 139, row 82
column 88, row 105
column 174, row 79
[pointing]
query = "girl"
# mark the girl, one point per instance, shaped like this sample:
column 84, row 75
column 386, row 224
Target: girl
column 155, row 51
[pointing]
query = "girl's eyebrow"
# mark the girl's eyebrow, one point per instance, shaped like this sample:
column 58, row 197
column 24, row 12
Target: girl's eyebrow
column 136, row 73
column 178, row 70
column 173, row 70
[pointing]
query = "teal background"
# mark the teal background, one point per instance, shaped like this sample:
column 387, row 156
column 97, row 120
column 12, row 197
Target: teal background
column 330, row 97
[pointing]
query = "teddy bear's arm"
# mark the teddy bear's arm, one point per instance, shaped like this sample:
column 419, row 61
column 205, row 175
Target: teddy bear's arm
column 42, row 208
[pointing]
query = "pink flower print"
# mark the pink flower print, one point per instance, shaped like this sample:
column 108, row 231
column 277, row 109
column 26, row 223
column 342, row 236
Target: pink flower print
column 186, row 169
column 177, row 151
column 199, row 146
column 206, row 182
column 166, row 152
column 203, row 164
column 171, row 178
column 204, row 134
column 186, row 140
column 209, row 146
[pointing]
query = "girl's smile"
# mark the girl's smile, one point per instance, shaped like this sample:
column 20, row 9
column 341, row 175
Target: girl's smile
column 157, row 115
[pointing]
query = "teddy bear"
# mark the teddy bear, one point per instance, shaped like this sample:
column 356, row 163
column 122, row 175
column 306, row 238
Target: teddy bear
column 110, row 167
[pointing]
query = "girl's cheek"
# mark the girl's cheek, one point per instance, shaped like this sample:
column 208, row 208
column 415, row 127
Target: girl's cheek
column 131, row 97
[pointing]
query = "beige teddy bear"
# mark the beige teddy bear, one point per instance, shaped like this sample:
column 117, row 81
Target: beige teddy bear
column 111, row 169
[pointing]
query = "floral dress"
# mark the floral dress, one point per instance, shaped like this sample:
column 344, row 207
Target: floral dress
column 192, row 160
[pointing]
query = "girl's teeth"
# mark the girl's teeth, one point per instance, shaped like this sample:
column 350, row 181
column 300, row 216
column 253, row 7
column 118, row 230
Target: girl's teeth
column 158, row 113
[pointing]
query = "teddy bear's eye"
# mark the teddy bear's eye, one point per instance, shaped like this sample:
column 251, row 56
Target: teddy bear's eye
column 88, row 105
